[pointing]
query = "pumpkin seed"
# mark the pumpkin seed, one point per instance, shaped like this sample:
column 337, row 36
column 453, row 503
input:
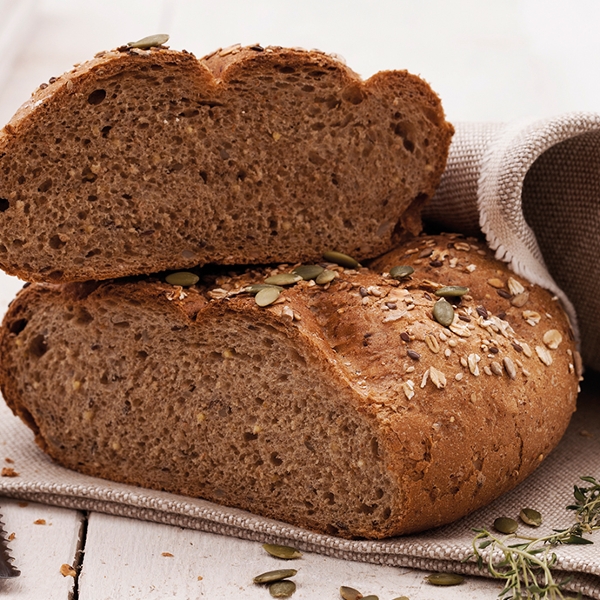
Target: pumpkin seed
column 257, row 287
column 401, row 598
column 349, row 593
column 341, row 259
column 443, row 312
column 267, row 296
column 283, row 279
column 308, row 272
column 150, row 41
column 325, row 277
column 532, row 517
column 282, row 589
column 452, row 291
column 370, row 597
column 285, row 552
column 445, row 579
column 401, row 271
column 505, row 525
column 182, row 278
column 272, row 576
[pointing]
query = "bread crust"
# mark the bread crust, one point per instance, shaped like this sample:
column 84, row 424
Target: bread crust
column 442, row 419
column 143, row 160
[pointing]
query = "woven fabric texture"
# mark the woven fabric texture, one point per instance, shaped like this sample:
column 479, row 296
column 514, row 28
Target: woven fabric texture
column 533, row 189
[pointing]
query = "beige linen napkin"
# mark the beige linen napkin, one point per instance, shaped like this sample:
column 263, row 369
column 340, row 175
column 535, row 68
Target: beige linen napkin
column 532, row 188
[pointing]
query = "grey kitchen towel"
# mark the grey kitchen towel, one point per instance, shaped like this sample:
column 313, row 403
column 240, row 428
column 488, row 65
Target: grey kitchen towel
column 533, row 189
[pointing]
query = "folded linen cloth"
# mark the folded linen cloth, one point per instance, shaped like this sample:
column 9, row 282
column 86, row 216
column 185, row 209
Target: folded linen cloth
column 533, row 188
column 549, row 490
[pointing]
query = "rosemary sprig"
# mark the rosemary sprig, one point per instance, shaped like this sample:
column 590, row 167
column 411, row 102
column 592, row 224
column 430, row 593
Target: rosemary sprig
column 526, row 565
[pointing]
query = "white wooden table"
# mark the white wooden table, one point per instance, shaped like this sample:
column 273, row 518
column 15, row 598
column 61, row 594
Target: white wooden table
column 118, row 558
column 115, row 558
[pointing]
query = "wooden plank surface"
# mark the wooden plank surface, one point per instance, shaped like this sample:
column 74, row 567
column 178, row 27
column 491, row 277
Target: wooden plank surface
column 129, row 559
column 45, row 538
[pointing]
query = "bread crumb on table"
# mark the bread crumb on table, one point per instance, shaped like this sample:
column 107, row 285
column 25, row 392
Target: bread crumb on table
column 8, row 472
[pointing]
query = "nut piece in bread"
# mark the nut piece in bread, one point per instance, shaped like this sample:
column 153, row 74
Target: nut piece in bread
column 345, row 408
column 143, row 160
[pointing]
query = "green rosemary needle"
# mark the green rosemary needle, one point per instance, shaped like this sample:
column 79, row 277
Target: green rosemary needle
column 526, row 562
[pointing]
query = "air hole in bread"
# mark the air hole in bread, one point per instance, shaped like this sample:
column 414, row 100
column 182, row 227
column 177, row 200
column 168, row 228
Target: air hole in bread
column 17, row 326
column 97, row 97
column 56, row 243
column 4, row 204
column 38, row 346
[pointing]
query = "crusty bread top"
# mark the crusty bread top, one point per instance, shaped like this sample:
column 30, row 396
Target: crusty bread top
column 442, row 419
column 144, row 160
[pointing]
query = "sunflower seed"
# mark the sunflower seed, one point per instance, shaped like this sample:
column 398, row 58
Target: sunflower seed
column 308, row 272
column 285, row 552
column 532, row 517
column 272, row 576
column 267, row 296
column 401, row 271
column 283, row 279
column 348, row 593
column 182, row 278
column 341, row 259
column 443, row 312
column 150, row 42
column 444, row 579
column 452, row 291
column 520, row 300
column 325, row 277
column 505, row 525
column 282, row 589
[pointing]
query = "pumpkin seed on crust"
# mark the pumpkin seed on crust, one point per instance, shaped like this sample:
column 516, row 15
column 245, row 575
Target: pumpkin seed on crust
column 401, row 271
column 150, row 41
column 343, row 260
column 308, row 272
column 283, row 279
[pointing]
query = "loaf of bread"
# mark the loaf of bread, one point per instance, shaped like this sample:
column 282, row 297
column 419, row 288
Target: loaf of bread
column 346, row 407
column 145, row 160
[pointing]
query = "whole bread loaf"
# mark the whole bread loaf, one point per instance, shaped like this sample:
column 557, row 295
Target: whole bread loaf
column 346, row 408
column 143, row 160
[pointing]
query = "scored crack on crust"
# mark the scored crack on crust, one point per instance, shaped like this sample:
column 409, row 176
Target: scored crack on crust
column 144, row 160
column 345, row 408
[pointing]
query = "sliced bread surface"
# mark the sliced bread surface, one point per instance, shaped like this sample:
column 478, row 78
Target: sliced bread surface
column 143, row 160
column 345, row 408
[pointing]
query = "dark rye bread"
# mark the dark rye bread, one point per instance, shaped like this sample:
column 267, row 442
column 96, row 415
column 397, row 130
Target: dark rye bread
column 345, row 408
column 145, row 160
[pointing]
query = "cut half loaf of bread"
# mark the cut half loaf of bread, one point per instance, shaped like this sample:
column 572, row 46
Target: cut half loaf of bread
column 345, row 408
column 145, row 160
